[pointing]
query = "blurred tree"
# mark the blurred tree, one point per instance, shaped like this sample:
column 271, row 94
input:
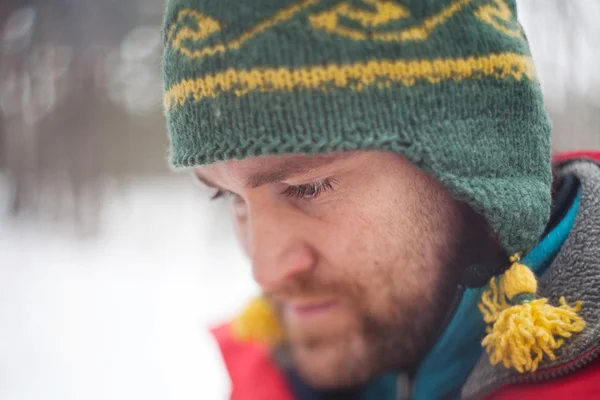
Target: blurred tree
column 60, row 132
column 80, row 94
column 563, row 36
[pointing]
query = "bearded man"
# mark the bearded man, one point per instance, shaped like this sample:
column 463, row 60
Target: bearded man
column 389, row 170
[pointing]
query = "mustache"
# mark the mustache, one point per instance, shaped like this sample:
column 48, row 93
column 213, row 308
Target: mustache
column 312, row 287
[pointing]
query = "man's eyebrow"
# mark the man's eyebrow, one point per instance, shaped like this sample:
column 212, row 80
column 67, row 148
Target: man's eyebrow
column 288, row 168
column 205, row 181
column 279, row 172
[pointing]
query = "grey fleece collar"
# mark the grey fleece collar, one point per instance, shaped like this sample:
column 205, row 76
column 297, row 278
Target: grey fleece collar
column 575, row 274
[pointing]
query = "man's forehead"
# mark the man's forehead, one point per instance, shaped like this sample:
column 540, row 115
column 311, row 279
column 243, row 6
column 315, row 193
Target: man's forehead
column 257, row 171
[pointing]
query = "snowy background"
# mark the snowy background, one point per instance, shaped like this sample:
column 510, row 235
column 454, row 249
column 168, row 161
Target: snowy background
column 121, row 315
column 112, row 268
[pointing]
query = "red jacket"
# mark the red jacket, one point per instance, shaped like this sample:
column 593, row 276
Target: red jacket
column 253, row 373
column 255, row 376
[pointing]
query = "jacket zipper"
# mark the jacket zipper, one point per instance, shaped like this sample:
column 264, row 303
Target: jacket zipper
column 403, row 386
column 545, row 375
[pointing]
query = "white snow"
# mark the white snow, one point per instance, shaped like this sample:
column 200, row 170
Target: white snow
column 123, row 315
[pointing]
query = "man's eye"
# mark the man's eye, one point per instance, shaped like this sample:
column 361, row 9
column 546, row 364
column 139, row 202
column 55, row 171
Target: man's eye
column 221, row 194
column 309, row 190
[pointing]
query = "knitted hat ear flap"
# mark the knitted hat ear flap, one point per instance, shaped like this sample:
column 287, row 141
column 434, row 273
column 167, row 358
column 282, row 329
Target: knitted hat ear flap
column 522, row 328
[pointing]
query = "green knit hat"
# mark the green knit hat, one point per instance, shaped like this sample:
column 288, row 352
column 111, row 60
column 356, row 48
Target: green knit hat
column 449, row 84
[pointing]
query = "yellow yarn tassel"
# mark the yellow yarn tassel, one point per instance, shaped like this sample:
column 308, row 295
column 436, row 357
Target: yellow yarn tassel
column 258, row 322
column 521, row 328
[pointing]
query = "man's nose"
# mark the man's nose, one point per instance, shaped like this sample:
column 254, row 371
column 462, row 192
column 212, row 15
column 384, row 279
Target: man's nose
column 280, row 249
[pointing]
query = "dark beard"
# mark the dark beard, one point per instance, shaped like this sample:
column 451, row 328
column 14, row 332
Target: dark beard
column 401, row 343
column 401, row 340
column 397, row 342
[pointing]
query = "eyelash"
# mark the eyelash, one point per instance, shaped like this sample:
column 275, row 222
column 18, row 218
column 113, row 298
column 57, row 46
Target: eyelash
column 308, row 191
column 219, row 194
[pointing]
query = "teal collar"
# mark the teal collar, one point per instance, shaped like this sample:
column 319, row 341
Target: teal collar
column 451, row 360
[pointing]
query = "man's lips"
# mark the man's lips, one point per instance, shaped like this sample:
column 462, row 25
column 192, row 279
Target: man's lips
column 303, row 310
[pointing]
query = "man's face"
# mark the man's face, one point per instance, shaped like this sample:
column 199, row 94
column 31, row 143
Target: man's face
column 356, row 250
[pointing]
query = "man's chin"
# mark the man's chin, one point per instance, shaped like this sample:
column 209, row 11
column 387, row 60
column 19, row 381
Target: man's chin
column 332, row 367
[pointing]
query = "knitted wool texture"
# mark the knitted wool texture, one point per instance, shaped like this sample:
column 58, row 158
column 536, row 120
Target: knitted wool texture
column 449, row 84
